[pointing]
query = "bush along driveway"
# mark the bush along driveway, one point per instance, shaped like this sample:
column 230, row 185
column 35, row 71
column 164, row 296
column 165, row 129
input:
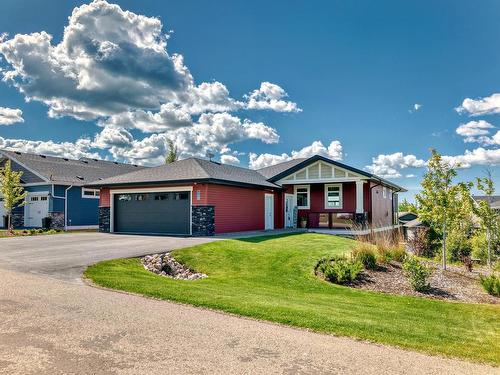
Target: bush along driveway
column 272, row 278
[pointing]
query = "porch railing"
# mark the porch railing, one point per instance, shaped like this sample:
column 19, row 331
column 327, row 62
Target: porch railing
column 335, row 220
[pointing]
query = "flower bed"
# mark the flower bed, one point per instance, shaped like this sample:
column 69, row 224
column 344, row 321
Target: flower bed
column 454, row 284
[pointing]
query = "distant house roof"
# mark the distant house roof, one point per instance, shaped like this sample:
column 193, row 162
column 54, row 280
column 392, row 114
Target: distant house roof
column 281, row 170
column 414, row 224
column 494, row 200
column 67, row 171
column 405, row 217
column 190, row 170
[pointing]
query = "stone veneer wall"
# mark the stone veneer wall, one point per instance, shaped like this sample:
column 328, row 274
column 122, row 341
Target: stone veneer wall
column 57, row 221
column 17, row 220
column 104, row 219
column 203, row 220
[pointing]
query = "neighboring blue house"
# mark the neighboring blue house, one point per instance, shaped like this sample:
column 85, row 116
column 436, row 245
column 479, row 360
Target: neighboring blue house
column 55, row 189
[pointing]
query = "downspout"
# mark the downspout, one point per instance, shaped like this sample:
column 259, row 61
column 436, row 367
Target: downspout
column 66, row 207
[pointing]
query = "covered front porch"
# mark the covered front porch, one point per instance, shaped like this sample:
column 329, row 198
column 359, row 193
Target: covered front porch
column 328, row 205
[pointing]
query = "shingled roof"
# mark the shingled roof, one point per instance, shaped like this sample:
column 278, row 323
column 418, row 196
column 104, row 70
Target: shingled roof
column 190, row 170
column 68, row 171
column 276, row 169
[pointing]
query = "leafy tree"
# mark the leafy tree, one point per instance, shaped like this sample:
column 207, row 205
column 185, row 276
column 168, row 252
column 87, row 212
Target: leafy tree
column 441, row 203
column 488, row 217
column 406, row 206
column 12, row 191
column 172, row 152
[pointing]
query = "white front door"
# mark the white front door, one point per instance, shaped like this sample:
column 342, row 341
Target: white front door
column 36, row 208
column 289, row 200
column 269, row 211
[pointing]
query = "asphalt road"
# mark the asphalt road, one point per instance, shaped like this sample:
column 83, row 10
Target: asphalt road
column 65, row 256
column 50, row 324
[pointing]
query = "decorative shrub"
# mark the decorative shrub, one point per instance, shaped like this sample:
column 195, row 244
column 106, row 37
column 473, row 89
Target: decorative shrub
column 458, row 245
column 417, row 273
column 479, row 246
column 339, row 270
column 491, row 284
column 398, row 253
column 421, row 243
column 365, row 254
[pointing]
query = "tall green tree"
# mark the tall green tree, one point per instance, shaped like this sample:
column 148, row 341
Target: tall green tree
column 441, row 203
column 172, row 152
column 12, row 191
column 488, row 217
column 405, row 206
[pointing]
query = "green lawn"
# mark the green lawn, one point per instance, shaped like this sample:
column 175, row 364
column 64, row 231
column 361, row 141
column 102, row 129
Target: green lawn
column 272, row 278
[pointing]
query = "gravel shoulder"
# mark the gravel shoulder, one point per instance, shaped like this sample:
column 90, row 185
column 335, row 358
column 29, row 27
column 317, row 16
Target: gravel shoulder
column 53, row 326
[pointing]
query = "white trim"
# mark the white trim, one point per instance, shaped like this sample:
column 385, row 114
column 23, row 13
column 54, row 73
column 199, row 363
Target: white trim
column 319, row 181
column 36, row 184
column 81, row 227
column 149, row 190
column 284, row 209
column 308, row 187
column 90, row 196
column 360, row 197
column 348, row 175
column 341, row 197
column 266, row 195
column 384, row 192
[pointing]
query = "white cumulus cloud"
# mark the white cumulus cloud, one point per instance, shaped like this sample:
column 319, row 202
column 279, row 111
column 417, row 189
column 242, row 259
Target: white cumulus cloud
column 270, row 96
column 9, row 116
column 389, row 166
column 230, row 159
column 333, row 151
column 478, row 132
column 481, row 106
column 75, row 150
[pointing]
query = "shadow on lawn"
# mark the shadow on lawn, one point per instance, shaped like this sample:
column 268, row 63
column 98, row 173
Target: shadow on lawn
column 265, row 238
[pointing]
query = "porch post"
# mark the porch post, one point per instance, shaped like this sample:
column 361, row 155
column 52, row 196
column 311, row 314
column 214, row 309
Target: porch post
column 359, row 197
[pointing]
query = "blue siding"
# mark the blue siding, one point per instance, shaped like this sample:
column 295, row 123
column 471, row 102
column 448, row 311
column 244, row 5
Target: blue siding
column 81, row 211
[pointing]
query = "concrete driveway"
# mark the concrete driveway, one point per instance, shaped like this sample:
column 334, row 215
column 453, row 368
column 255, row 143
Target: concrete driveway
column 65, row 256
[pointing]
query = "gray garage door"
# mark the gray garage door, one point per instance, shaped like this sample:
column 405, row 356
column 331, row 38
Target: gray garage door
column 166, row 213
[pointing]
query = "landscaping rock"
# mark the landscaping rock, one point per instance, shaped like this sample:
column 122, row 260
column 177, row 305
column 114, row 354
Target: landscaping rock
column 165, row 265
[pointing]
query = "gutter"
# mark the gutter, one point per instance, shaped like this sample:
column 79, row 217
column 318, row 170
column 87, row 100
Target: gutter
column 66, row 207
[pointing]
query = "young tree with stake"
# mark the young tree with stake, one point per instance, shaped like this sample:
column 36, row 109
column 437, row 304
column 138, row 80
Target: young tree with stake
column 12, row 191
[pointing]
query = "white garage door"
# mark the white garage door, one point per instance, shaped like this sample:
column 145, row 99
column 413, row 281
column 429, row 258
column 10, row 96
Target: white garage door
column 36, row 208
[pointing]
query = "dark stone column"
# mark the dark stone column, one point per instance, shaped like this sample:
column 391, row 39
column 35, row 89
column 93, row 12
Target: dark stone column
column 57, row 220
column 104, row 219
column 17, row 220
column 203, row 220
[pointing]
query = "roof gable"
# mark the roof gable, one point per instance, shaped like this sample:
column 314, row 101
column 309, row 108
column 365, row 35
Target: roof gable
column 351, row 172
column 66, row 171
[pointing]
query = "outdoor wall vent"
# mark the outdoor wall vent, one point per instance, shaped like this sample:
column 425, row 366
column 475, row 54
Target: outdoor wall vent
column 43, row 156
column 79, row 177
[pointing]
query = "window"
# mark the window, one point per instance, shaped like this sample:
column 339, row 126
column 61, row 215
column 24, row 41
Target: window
column 161, row 197
column 34, row 199
column 141, row 197
column 333, row 196
column 90, row 193
column 302, row 196
column 124, row 197
column 43, row 198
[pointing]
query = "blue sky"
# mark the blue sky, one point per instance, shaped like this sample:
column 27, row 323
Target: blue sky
column 353, row 73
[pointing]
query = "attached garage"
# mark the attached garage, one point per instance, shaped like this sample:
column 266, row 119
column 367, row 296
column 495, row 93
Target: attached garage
column 155, row 212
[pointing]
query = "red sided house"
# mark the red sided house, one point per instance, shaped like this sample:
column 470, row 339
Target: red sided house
column 200, row 197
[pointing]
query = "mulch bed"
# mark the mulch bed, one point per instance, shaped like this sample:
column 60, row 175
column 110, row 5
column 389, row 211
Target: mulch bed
column 455, row 284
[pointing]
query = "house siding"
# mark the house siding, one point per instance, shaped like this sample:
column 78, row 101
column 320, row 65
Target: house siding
column 236, row 209
column 381, row 215
column 81, row 211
